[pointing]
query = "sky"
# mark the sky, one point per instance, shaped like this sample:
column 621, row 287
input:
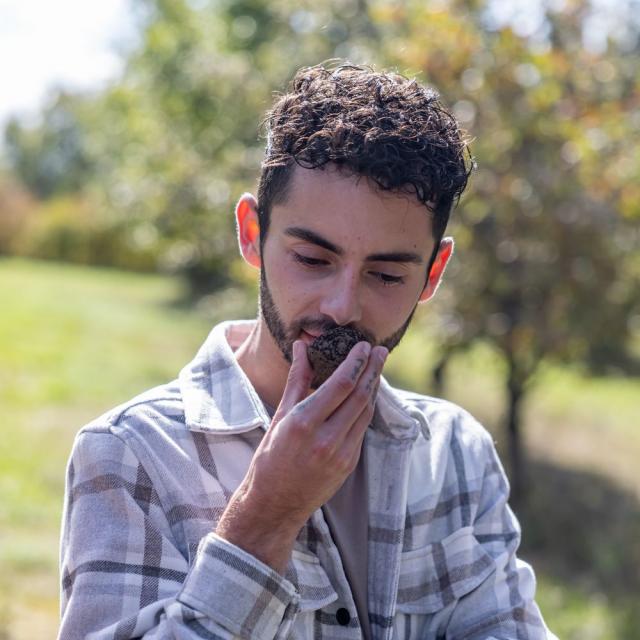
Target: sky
column 47, row 43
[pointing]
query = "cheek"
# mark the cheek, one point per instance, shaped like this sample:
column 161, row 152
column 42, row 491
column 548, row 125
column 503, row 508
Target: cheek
column 290, row 290
column 389, row 312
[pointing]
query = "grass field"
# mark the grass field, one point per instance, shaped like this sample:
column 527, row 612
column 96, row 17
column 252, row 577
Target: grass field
column 76, row 341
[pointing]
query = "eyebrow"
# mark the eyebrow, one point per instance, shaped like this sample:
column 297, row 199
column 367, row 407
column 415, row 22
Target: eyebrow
column 311, row 236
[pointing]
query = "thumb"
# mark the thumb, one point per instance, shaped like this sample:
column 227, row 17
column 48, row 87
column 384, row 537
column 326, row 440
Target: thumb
column 298, row 381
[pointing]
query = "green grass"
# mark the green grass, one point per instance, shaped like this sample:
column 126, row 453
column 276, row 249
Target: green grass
column 73, row 343
column 76, row 341
column 576, row 615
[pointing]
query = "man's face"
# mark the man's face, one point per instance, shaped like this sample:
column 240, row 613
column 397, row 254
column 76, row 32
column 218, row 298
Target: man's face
column 339, row 252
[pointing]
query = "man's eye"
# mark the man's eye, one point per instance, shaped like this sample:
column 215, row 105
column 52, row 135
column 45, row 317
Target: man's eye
column 387, row 279
column 309, row 262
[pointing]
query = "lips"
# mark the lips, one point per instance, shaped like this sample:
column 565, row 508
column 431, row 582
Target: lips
column 307, row 337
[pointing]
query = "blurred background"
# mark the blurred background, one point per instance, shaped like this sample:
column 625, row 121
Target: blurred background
column 130, row 127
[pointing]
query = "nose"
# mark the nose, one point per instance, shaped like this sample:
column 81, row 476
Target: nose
column 341, row 301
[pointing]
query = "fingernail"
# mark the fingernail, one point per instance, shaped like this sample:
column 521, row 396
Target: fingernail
column 384, row 352
column 366, row 349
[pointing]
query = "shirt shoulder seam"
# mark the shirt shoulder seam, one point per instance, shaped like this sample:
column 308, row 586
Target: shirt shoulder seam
column 115, row 417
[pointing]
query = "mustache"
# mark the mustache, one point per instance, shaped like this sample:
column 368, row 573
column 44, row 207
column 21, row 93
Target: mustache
column 326, row 324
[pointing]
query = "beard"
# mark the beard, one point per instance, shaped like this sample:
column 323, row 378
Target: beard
column 285, row 336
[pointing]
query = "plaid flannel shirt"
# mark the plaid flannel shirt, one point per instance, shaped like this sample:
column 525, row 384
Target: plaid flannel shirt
column 148, row 481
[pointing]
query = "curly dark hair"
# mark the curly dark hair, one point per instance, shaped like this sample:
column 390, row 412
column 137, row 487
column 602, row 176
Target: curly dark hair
column 383, row 126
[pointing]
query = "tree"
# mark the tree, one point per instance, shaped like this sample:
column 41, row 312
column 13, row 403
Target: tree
column 184, row 122
column 546, row 235
column 51, row 158
column 166, row 149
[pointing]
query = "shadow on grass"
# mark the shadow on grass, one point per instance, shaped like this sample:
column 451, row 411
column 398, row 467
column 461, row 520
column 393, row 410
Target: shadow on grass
column 583, row 529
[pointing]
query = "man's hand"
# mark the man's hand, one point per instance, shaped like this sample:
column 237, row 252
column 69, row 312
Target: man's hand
column 312, row 446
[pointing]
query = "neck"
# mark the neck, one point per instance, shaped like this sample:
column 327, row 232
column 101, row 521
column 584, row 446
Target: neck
column 263, row 363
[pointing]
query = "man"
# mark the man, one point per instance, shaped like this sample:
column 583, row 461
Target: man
column 245, row 500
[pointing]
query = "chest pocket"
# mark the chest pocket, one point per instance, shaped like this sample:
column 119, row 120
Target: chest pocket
column 311, row 581
column 433, row 577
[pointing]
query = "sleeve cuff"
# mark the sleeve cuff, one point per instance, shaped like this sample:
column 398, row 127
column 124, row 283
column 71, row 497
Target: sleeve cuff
column 238, row 592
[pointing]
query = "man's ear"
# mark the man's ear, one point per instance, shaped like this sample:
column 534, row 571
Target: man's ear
column 437, row 269
column 248, row 229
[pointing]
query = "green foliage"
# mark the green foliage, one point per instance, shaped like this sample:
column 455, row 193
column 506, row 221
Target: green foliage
column 171, row 145
column 547, row 236
column 16, row 208
column 67, row 228
column 577, row 614
column 546, row 228
column 52, row 158
column 184, row 123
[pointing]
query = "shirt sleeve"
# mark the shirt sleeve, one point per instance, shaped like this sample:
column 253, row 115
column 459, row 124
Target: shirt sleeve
column 502, row 607
column 123, row 575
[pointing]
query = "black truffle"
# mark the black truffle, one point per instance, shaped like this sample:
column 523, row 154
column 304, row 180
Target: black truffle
column 330, row 349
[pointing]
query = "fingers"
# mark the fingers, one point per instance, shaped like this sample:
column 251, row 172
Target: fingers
column 362, row 397
column 351, row 446
column 298, row 381
column 354, row 437
column 333, row 392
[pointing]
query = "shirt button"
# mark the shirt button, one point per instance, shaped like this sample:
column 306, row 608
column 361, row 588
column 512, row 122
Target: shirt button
column 343, row 617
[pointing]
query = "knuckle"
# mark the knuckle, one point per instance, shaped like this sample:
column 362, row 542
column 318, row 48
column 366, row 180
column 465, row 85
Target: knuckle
column 293, row 379
column 300, row 376
column 323, row 449
column 300, row 424
column 345, row 463
column 362, row 394
column 344, row 383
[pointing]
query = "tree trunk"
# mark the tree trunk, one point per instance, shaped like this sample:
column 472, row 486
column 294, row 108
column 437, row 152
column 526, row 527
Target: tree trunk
column 437, row 375
column 515, row 390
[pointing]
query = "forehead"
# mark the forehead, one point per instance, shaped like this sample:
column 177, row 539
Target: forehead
column 349, row 209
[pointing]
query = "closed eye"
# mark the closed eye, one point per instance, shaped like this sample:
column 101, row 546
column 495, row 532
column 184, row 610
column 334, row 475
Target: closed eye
column 387, row 279
column 309, row 262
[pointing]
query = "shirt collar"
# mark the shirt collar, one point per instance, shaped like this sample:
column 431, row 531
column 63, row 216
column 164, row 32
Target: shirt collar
column 219, row 398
